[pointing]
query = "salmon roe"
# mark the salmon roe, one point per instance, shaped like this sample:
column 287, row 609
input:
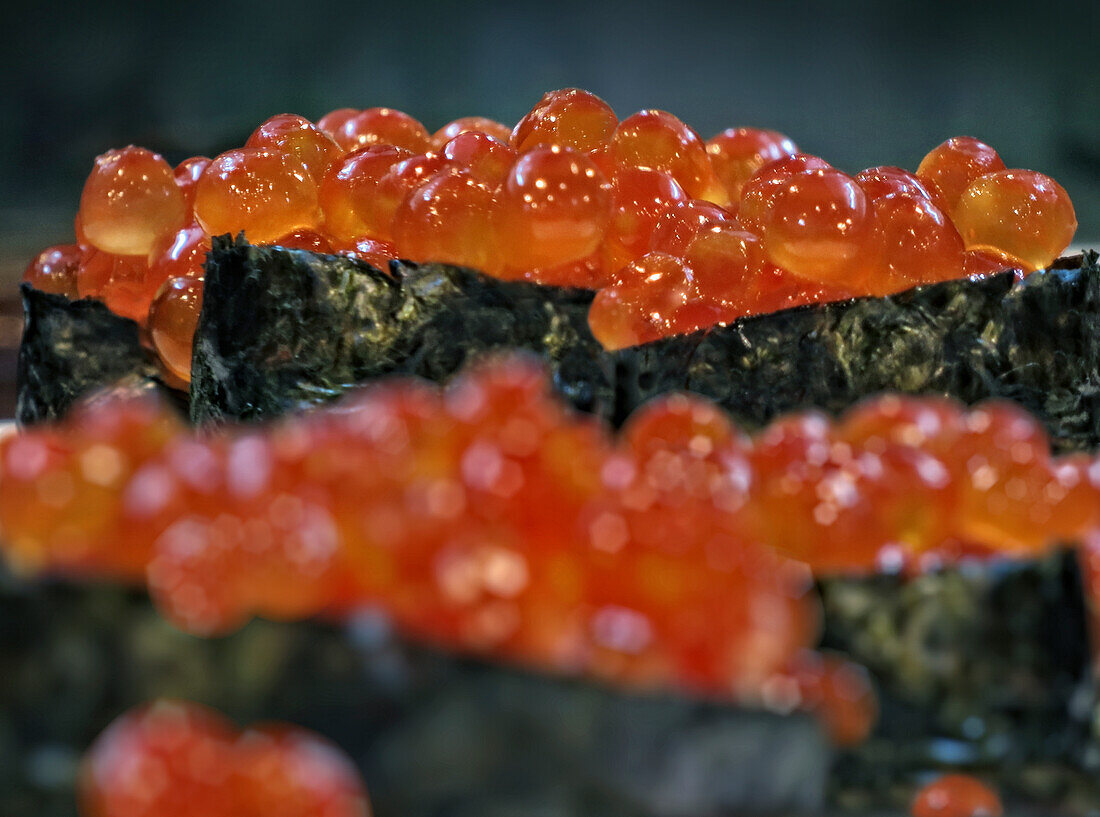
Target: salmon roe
column 54, row 270
column 569, row 118
column 265, row 192
column 957, row 795
column 569, row 196
column 488, row 517
column 129, row 201
column 922, row 474
column 180, row 759
column 173, row 317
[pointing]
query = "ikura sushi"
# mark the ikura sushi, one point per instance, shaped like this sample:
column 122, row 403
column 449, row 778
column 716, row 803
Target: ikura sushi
column 284, row 329
column 676, row 234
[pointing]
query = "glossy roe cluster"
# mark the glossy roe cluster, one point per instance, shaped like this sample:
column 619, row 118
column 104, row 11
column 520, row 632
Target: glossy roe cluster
column 677, row 233
column 489, row 518
column 180, row 759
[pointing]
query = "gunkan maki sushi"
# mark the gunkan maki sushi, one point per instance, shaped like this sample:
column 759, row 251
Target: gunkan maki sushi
column 573, row 514
column 674, row 235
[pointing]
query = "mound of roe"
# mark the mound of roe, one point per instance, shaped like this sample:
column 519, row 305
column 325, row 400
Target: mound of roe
column 676, row 233
column 489, row 518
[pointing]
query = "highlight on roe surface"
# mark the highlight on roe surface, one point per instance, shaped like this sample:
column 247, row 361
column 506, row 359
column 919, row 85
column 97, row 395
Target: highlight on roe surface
column 175, row 758
column 571, row 196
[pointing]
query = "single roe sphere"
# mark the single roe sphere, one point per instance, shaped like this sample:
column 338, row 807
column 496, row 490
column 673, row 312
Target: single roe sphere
column 878, row 182
column 569, row 118
column 681, row 222
column 557, row 206
column 395, row 186
column 383, row 126
column 488, row 159
column 1019, row 212
column 304, row 240
column 471, row 124
column 182, row 253
column 989, row 262
column 758, row 194
column 727, row 263
column 951, row 167
column 123, row 282
column 187, row 173
column 737, row 153
column 912, row 242
column 54, row 270
column 453, row 218
column 130, row 200
column 301, row 139
column 349, row 192
column 265, row 192
column 331, row 123
column 290, row 772
column 153, row 760
column 373, row 251
column 173, row 317
column 657, row 140
column 639, row 198
column 642, row 302
column 816, row 225
column 840, row 693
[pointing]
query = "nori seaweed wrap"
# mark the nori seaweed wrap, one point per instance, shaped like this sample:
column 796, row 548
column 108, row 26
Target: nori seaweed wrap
column 282, row 329
column 71, row 349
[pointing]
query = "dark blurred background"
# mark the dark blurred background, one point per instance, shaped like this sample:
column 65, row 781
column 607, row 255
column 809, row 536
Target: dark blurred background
column 860, row 83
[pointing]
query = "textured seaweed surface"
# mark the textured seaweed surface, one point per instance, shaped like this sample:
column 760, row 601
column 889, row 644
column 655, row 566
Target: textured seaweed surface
column 285, row 328
column 984, row 668
column 1036, row 343
column 70, row 349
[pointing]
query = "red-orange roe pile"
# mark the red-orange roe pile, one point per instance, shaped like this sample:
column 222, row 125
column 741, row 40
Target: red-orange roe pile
column 957, row 795
column 677, row 233
column 489, row 518
column 180, row 759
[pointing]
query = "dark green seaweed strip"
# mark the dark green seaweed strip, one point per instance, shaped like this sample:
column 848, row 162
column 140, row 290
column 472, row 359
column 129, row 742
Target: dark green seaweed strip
column 1036, row 343
column 70, row 349
column 980, row 668
column 283, row 329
